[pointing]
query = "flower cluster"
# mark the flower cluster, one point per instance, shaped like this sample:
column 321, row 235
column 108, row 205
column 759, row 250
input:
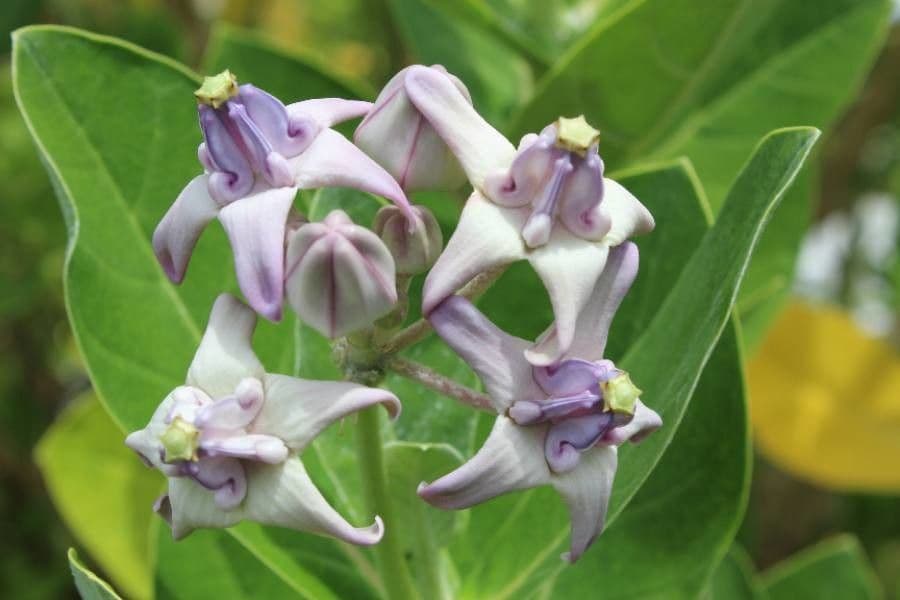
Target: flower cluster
column 230, row 440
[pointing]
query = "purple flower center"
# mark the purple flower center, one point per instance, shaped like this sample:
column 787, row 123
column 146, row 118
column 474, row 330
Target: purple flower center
column 574, row 410
column 250, row 134
column 557, row 183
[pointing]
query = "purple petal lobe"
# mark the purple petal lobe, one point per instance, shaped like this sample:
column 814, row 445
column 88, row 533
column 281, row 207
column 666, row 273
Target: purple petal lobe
column 255, row 226
column 510, row 459
column 332, row 161
column 177, row 234
column 492, row 353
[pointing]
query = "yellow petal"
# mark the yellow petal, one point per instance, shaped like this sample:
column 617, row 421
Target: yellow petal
column 825, row 401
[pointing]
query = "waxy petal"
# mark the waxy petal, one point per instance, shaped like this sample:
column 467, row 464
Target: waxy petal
column 333, row 161
column 234, row 411
column 569, row 267
column 486, row 236
column 281, row 495
column 628, row 216
column 329, row 111
column 298, row 410
column 480, row 149
column 592, row 325
column 586, row 491
column 257, row 447
column 255, row 226
column 512, row 458
column 225, row 356
column 177, row 234
column 494, row 355
column 644, row 422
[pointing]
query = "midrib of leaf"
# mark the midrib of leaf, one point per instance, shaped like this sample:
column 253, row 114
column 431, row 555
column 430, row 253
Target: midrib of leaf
column 695, row 122
column 191, row 325
column 686, row 94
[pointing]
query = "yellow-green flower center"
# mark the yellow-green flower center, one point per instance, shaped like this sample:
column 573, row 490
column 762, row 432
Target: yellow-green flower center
column 620, row 394
column 180, row 441
column 575, row 135
column 217, row 89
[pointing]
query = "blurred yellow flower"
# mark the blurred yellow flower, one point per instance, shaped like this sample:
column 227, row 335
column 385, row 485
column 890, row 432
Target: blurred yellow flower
column 825, row 401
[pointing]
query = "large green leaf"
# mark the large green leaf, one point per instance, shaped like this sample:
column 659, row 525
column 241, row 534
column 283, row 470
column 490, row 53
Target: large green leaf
column 116, row 128
column 734, row 579
column 82, row 457
column 90, row 587
column 663, row 81
column 666, row 360
column 836, row 569
column 288, row 74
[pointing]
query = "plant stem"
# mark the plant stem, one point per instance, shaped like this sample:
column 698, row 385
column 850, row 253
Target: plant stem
column 388, row 554
column 437, row 382
column 419, row 330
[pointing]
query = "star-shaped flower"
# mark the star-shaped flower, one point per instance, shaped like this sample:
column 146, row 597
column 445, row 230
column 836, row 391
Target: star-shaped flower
column 546, row 202
column 256, row 154
column 229, row 439
column 558, row 424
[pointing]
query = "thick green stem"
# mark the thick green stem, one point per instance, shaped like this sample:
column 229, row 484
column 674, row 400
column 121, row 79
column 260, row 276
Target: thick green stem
column 388, row 554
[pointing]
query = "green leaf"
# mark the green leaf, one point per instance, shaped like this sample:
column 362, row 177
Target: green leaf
column 498, row 79
column 685, row 516
column 423, row 530
column 662, row 83
column 734, row 578
column 634, row 67
column 836, row 569
column 249, row 560
column 117, row 129
column 287, row 74
column 90, row 587
column 102, row 492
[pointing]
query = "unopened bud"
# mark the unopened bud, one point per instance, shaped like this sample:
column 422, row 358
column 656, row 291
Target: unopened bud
column 340, row 276
column 401, row 140
column 414, row 248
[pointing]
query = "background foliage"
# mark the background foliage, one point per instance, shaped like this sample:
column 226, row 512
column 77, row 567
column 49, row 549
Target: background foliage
column 682, row 101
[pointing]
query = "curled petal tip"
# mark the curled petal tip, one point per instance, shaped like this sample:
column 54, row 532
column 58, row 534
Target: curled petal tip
column 540, row 358
column 368, row 536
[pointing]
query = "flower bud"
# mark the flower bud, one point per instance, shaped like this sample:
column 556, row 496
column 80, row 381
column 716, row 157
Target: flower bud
column 401, row 140
column 340, row 276
column 414, row 248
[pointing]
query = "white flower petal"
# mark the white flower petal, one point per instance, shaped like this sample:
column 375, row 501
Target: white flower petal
column 329, row 111
column 495, row 356
column 255, row 226
column 629, row 217
column 487, row 236
column 194, row 507
column 594, row 320
column 333, row 161
column 512, row 458
column 569, row 266
column 644, row 422
column 586, row 491
column 297, row 410
column 177, row 234
column 225, row 356
column 479, row 147
column 284, row 495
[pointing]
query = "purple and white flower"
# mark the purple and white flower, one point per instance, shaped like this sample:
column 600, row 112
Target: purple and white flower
column 256, row 154
column 556, row 425
column 546, row 202
column 229, row 440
